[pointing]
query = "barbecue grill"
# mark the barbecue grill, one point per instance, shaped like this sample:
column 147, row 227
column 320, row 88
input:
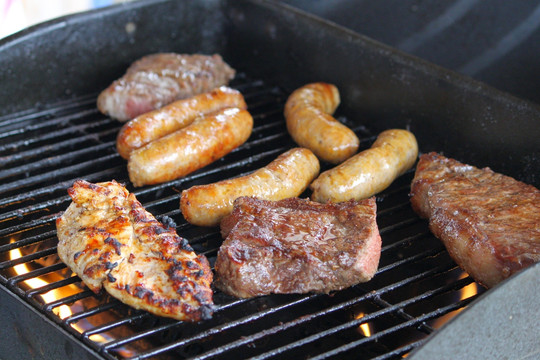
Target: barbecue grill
column 52, row 134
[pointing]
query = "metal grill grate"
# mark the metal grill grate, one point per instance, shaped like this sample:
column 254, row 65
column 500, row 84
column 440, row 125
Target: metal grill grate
column 43, row 151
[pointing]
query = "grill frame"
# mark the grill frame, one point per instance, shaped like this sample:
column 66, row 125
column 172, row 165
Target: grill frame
column 265, row 104
column 266, row 48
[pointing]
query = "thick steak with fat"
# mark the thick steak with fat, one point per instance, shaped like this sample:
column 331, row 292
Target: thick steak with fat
column 489, row 222
column 297, row 246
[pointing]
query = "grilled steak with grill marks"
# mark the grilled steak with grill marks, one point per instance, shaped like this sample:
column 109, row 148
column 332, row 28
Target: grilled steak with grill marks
column 297, row 246
column 489, row 222
column 159, row 79
column 109, row 240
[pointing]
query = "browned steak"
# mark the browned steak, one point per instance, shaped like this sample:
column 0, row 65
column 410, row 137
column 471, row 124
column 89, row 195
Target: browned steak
column 297, row 246
column 158, row 79
column 489, row 222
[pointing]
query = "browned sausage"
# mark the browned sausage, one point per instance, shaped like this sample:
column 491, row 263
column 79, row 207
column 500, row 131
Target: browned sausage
column 370, row 171
column 308, row 113
column 191, row 148
column 157, row 123
column 287, row 176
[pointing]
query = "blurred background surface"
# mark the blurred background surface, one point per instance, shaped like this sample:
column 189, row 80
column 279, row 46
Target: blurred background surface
column 495, row 41
column 16, row 15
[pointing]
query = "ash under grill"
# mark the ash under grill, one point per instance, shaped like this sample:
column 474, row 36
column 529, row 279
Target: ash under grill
column 43, row 151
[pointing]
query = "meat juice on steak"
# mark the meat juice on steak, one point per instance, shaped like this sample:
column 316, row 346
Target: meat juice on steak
column 297, row 246
column 489, row 222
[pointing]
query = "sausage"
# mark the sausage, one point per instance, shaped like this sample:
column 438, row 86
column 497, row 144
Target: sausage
column 308, row 114
column 287, row 176
column 157, row 123
column 191, row 148
column 370, row 171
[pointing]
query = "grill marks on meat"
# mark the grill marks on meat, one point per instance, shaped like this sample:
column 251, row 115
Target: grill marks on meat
column 159, row 79
column 489, row 222
column 109, row 240
column 297, row 246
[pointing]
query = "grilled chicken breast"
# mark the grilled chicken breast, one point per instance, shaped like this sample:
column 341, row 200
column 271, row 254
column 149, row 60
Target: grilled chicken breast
column 489, row 222
column 110, row 241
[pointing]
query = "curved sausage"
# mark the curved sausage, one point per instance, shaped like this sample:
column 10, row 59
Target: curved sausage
column 370, row 171
column 287, row 176
column 155, row 124
column 308, row 113
column 191, row 148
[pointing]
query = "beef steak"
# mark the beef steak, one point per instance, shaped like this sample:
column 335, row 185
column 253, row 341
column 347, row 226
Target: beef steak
column 489, row 222
column 297, row 246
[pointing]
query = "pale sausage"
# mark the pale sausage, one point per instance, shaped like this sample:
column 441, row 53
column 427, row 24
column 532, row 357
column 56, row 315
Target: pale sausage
column 191, row 148
column 287, row 176
column 308, row 114
column 155, row 124
column 370, row 171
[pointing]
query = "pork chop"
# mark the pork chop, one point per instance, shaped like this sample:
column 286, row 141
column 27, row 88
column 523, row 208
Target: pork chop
column 297, row 246
column 110, row 241
column 158, row 79
column 489, row 222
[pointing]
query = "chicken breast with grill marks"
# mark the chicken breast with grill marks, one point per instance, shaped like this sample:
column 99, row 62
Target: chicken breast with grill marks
column 110, row 241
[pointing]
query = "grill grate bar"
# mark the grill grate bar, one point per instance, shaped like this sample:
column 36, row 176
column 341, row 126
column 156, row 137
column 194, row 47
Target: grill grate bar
column 406, row 240
column 429, row 294
column 141, row 335
column 93, row 311
column 48, row 136
column 52, row 161
column 390, row 210
column 416, row 257
column 304, row 319
column 52, row 286
column 216, row 330
column 398, row 225
column 387, row 309
column 56, row 147
column 408, row 324
column 110, row 326
column 27, row 258
column 23, row 242
column 68, row 299
column 63, row 185
column 56, row 109
column 54, row 174
column 33, row 274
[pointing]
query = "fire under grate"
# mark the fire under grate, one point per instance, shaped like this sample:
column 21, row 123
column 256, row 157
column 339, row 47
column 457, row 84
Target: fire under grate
column 44, row 150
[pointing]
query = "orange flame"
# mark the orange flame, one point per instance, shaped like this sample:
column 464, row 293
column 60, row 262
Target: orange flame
column 62, row 311
column 365, row 328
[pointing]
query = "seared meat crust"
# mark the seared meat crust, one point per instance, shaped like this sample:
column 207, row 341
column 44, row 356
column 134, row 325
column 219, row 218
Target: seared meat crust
column 109, row 240
column 489, row 222
column 296, row 246
column 158, row 79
